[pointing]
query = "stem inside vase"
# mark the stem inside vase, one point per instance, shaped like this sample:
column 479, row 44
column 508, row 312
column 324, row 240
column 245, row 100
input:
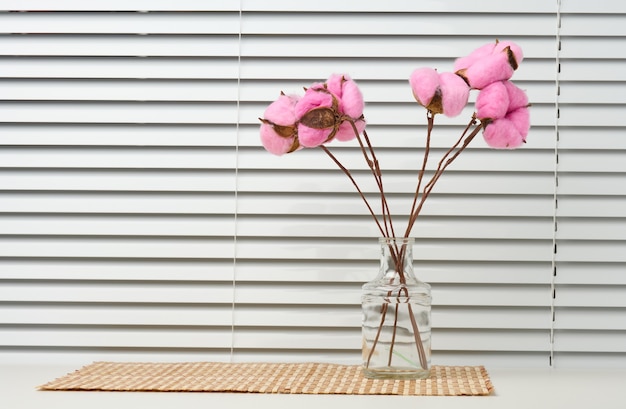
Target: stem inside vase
column 396, row 317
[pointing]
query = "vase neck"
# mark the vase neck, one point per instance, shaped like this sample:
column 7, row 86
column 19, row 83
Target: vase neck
column 396, row 258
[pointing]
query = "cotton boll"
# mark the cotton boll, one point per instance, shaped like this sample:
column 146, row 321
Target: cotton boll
column 424, row 84
column 273, row 142
column 346, row 132
column 313, row 98
column 487, row 70
column 281, row 111
column 278, row 127
column 334, row 84
column 348, row 94
column 502, row 134
column 520, row 118
column 454, row 93
column 352, row 103
column 313, row 137
column 492, row 101
column 517, row 96
column 513, row 51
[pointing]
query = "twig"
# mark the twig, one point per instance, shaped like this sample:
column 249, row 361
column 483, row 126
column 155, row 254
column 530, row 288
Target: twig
column 349, row 175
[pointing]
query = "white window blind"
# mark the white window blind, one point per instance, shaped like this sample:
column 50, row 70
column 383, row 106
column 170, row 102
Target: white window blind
column 590, row 278
column 141, row 219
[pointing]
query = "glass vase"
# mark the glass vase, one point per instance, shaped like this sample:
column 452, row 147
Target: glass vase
column 396, row 317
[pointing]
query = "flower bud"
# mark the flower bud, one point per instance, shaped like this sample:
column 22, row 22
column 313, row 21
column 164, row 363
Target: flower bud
column 492, row 101
column 317, row 115
column 490, row 63
column 278, row 129
column 509, row 132
column 444, row 93
column 348, row 94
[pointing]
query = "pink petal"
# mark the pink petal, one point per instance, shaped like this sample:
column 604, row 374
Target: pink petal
column 352, row 100
column 488, row 70
column 424, row 83
column 520, row 118
column 345, row 131
column 281, row 111
column 516, row 49
column 502, row 134
column 312, row 137
column 273, row 142
column 517, row 96
column 334, row 84
column 492, row 101
column 454, row 93
column 313, row 98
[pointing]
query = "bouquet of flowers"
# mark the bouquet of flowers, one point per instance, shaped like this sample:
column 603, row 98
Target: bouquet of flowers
column 333, row 110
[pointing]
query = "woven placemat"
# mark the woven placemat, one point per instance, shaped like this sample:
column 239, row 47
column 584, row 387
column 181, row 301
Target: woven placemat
column 291, row 378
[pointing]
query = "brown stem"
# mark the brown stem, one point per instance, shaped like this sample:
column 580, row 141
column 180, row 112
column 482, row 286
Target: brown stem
column 431, row 122
column 349, row 175
column 393, row 334
column 374, row 166
column 383, row 315
column 443, row 164
column 418, row 202
column 396, row 255
column 378, row 175
column 418, row 339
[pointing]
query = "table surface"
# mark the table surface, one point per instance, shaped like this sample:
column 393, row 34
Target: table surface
column 514, row 388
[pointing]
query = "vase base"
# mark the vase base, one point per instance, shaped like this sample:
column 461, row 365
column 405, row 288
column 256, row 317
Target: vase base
column 390, row 372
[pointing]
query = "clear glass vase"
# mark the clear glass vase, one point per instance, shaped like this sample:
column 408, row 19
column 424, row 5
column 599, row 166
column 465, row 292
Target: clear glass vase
column 396, row 317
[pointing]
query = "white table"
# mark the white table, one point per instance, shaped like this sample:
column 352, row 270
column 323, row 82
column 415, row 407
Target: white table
column 514, row 388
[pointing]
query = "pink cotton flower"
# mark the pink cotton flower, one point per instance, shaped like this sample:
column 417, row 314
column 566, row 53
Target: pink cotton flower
column 509, row 132
column 497, row 99
column 424, row 84
column 278, row 129
column 487, row 70
column 454, row 93
column 348, row 94
column 317, row 113
column 444, row 93
column 282, row 111
column 492, row 101
column 350, row 105
column 517, row 96
column 326, row 110
column 513, row 50
column 346, row 132
column 521, row 120
column 315, row 96
column 274, row 142
column 482, row 67
column 503, row 108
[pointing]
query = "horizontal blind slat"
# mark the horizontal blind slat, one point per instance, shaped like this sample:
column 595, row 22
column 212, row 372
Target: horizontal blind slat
column 115, row 247
column 119, row 45
column 114, row 337
column 122, row 270
column 120, row 23
column 118, row 292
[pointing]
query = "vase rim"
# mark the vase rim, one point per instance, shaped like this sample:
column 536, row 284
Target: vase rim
column 396, row 239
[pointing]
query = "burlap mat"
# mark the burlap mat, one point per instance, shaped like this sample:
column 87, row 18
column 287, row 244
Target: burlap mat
column 294, row 378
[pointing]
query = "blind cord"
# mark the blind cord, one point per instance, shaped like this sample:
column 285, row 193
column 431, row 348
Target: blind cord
column 556, row 182
column 236, row 212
